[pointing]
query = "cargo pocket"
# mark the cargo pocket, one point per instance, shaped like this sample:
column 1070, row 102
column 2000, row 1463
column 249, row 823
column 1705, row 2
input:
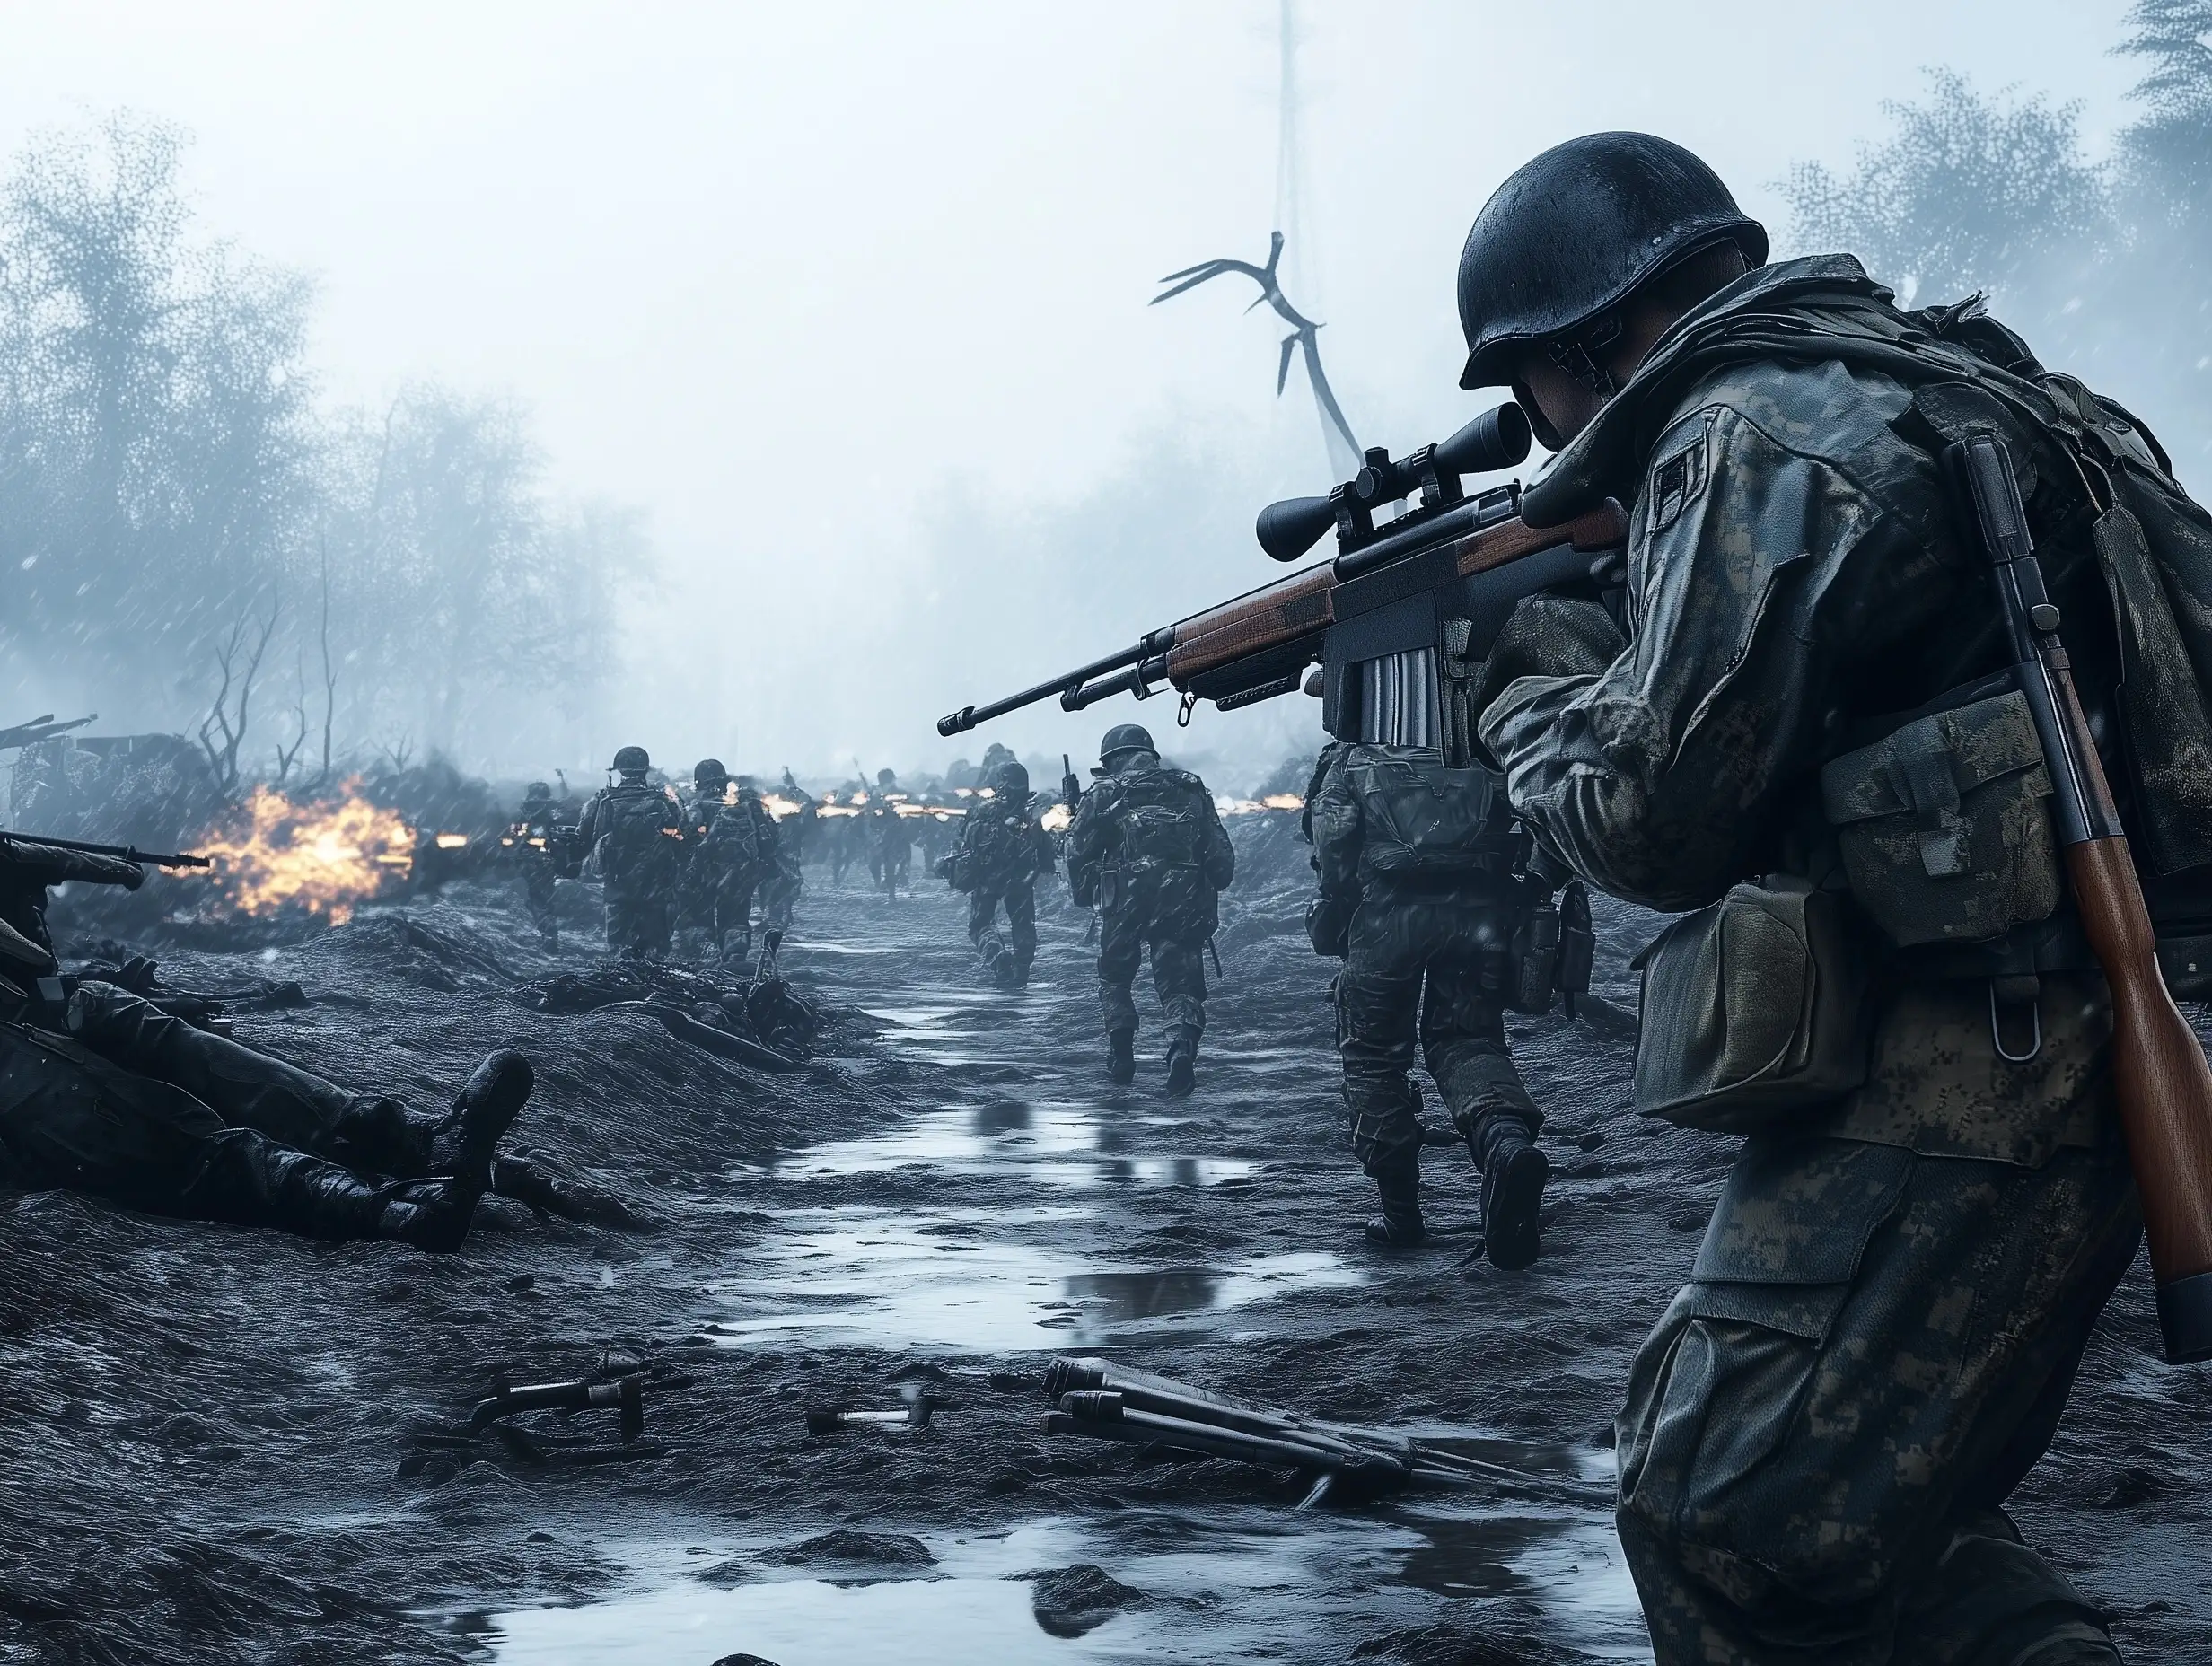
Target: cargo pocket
column 1755, row 1010
column 1724, row 1384
column 1945, row 825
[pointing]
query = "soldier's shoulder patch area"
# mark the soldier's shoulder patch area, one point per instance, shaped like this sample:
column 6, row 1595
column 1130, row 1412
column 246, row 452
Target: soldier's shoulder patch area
column 1678, row 480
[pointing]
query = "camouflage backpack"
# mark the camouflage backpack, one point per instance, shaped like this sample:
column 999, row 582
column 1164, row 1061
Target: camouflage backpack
column 1424, row 821
column 636, row 841
column 733, row 841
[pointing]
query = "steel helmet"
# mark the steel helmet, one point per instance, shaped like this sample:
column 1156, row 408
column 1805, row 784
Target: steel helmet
column 1124, row 738
column 1574, row 232
column 1010, row 778
column 708, row 769
column 631, row 760
column 535, row 790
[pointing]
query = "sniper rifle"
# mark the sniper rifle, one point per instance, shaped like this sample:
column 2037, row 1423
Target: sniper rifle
column 1402, row 603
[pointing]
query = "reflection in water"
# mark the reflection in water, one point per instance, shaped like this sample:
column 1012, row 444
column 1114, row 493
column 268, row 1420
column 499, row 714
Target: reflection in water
column 1116, row 1297
column 1227, row 1584
column 955, row 1281
column 1000, row 1117
column 1054, row 1143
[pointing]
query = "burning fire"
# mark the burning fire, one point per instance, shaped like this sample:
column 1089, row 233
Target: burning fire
column 1257, row 806
column 327, row 858
column 1056, row 819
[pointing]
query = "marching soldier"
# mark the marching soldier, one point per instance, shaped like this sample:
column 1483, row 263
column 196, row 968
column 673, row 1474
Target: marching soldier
column 635, row 831
column 732, row 842
column 1147, row 848
column 1002, row 850
column 1419, row 896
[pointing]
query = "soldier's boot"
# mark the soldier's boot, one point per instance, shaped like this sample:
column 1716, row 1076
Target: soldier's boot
column 434, row 1215
column 740, row 951
column 1514, row 1173
column 996, row 961
column 266, row 1185
column 483, row 1111
column 1183, row 1061
column 1020, row 971
column 1121, row 1056
column 1400, row 1226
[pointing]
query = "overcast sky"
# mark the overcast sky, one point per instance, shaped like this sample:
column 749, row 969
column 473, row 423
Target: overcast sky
column 777, row 273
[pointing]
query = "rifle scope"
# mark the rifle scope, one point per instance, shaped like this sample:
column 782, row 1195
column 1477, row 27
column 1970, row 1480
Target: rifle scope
column 1497, row 439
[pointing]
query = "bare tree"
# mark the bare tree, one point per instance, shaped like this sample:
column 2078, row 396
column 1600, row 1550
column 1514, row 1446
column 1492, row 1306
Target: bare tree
column 222, row 732
column 287, row 756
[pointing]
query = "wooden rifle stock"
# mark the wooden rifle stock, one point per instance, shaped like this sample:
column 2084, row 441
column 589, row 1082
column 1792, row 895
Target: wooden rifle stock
column 1301, row 606
column 2161, row 1078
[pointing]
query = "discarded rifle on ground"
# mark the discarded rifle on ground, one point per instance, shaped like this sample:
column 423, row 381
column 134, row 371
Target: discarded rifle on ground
column 1103, row 1400
column 922, row 1402
column 618, row 1384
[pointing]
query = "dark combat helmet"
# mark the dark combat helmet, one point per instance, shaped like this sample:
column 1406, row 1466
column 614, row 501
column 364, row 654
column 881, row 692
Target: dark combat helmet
column 887, row 777
column 1010, row 779
column 538, row 792
column 1124, row 738
column 1574, row 232
column 708, row 769
column 631, row 760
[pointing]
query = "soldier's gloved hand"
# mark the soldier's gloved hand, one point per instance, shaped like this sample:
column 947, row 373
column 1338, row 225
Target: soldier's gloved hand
column 1547, row 637
column 1328, row 925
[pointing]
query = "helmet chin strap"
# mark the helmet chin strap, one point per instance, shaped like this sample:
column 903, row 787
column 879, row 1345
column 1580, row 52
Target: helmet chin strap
column 1576, row 355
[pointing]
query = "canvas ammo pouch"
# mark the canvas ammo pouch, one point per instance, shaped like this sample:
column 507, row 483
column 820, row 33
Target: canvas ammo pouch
column 1756, row 1010
column 1945, row 826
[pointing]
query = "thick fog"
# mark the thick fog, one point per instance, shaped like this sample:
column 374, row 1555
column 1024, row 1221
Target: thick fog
column 524, row 380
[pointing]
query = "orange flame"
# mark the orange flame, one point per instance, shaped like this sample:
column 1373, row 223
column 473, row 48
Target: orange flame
column 326, row 858
column 1255, row 806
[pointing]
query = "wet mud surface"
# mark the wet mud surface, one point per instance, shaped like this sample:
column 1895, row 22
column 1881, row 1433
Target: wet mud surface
column 229, row 1445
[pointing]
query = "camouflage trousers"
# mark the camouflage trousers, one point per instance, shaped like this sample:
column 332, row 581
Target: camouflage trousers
column 1422, row 971
column 1020, row 898
column 541, row 887
column 779, row 893
column 1875, row 1348
column 1177, row 972
column 723, row 906
column 638, row 922
column 137, row 1106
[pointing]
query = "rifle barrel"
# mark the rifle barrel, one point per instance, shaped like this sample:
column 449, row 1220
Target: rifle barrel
column 1137, row 679
column 1156, row 643
column 127, row 853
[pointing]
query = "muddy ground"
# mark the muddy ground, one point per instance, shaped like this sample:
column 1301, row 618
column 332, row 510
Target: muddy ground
column 224, row 1446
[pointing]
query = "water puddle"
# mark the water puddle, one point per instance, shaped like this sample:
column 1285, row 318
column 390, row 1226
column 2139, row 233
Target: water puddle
column 963, row 1281
column 1052, row 1142
column 1229, row 1586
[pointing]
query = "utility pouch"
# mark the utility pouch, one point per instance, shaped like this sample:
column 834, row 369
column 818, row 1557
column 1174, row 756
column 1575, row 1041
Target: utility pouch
column 1756, row 1010
column 1533, row 968
column 1945, row 826
column 1578, row 941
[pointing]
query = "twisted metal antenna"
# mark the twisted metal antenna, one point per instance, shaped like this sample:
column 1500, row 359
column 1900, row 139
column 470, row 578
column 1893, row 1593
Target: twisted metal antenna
column 1302, row 339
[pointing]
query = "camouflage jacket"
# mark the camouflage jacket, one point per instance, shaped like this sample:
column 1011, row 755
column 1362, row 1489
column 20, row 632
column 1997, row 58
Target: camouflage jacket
column 1150, row 841
column 729, row 839
column 636, row 831
column 1394, row 818
column 1794, row 573
column 1000, row 844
